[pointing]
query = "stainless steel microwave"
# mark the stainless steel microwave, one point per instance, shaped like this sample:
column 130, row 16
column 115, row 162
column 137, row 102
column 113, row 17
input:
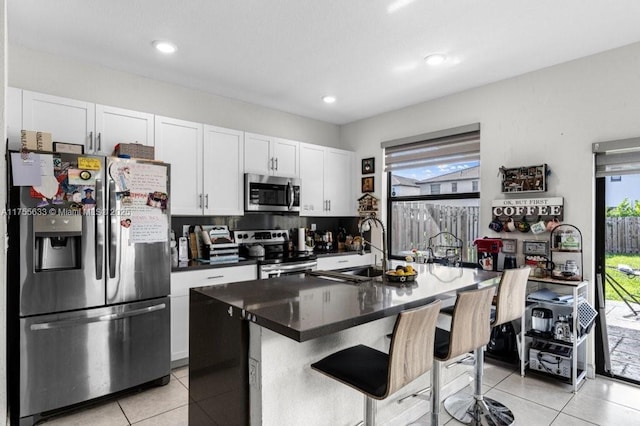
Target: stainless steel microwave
column 271, row 193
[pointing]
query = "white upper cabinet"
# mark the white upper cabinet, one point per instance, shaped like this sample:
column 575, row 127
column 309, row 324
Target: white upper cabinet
column 117, row 125
column 339, row 182
column 312, row 201
column 68, row 120
column 327, row 181
column 223, row 177
column 266, row 155
column 97, row 127
column 179, row 143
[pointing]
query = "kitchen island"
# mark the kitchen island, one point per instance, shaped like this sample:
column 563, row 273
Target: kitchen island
column 251, row 344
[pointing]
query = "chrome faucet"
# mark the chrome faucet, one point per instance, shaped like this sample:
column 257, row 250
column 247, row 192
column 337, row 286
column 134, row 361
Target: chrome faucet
column 365, row 225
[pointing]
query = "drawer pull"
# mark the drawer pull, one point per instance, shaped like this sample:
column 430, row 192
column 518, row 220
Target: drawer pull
column 215, row 277
column 343, row 261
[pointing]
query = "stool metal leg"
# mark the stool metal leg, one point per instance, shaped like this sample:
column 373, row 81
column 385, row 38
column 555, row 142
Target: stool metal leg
column 369, row 411
column 477, row 409
column 435, row 393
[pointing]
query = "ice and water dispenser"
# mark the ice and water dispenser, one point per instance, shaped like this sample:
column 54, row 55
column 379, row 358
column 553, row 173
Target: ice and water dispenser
column 57, row 241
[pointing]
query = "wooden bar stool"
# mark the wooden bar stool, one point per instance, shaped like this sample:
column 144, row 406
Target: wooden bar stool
column 377, row 374
column 469, row 330
column 510, row 305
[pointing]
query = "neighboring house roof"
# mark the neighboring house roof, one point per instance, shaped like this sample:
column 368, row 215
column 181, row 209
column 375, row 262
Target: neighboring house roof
column 466, row 174
column 402, row 181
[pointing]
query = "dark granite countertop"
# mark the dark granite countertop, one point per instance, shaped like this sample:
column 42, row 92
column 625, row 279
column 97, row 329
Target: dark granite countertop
column 304, row 308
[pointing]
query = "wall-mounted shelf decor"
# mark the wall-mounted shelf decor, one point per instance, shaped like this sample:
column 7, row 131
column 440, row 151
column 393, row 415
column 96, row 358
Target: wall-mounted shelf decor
column 524, row 179
column 532, row 209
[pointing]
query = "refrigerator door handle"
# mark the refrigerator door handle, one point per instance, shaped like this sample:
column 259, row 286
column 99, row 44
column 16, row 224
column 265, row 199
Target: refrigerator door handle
column 96, row 318
column 99, row 230
column 113, row 238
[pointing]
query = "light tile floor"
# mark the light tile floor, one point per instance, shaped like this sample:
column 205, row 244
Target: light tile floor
column 534, row 400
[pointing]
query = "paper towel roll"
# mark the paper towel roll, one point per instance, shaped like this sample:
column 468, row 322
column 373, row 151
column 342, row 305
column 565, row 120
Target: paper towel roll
column 301, row 238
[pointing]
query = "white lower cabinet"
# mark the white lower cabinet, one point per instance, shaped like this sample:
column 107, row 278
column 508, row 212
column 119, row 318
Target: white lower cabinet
column 345, row 261
column 181, row 282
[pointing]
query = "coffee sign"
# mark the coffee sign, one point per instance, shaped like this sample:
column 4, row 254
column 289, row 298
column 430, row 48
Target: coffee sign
column 546, row 208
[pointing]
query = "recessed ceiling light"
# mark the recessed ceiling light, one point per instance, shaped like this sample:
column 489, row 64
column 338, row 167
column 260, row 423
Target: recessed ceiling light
column 435, row 59
column 164, row 46
column 328, row 99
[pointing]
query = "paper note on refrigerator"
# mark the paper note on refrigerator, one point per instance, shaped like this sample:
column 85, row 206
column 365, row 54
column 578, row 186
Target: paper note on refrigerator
column 149, row 228
column 26, row 171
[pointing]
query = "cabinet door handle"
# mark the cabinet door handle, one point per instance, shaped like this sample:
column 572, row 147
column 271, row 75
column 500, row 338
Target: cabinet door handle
column 329, row 201
column 206, row 201
column 271, row 166
column 276, row 164
column 90, row 141
column 99, row 142
column 200, row 201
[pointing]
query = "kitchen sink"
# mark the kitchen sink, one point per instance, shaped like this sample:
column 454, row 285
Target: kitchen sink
column 356, row 275
column 362, row 271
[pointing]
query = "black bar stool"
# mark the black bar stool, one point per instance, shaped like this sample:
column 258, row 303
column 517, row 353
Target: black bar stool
column 469, row 331
column 510, row 305
column 377, row 374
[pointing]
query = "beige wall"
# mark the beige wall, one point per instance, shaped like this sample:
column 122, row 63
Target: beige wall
column 55, row 75
column 549, row 116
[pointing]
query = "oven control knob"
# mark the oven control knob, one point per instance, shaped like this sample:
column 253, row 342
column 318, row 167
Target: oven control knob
column 279, row 234
column 245, row 236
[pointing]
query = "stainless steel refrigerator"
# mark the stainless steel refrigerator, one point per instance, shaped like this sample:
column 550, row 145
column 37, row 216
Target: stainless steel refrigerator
column 88, row 279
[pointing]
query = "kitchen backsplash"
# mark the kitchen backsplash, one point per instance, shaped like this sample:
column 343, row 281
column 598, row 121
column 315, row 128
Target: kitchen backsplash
column 267, row 221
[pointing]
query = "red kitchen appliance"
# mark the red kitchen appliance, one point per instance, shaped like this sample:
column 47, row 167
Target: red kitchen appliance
column 488, row 249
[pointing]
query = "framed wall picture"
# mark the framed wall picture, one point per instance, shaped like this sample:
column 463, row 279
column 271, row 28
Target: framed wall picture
column 367, row 184
column 524, row 179
column 69, row 148
column 368, row 165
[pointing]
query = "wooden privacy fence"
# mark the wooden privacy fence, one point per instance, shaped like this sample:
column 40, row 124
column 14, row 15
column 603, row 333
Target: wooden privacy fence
column 414, row 222
column 622, row 235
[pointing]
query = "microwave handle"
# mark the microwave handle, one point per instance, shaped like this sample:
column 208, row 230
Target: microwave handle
column 290, row 195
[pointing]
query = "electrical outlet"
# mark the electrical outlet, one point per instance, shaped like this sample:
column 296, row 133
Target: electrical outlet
column 313, row 226
column 254, row 373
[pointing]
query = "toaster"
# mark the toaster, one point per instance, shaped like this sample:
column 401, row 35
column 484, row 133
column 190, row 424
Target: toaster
column 542, row 320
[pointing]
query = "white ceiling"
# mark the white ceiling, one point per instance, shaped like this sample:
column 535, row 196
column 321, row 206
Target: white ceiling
column 287, row 54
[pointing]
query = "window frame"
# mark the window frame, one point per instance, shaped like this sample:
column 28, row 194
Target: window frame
column 390, row 200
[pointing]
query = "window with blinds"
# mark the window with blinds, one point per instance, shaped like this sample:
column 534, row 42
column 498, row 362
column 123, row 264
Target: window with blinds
column 435, row 149
column 615, row 158
column 434, row 187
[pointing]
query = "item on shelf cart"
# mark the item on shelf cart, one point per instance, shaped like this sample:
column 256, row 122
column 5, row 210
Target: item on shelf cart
column 551, row 358
column 542, row 320
column 562, row 329
column 586, row 317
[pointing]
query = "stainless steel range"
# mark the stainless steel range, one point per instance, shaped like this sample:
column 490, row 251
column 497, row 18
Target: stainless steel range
column 272, row 249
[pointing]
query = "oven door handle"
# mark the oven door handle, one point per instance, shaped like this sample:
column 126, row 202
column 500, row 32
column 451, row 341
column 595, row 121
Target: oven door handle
column 299, row 266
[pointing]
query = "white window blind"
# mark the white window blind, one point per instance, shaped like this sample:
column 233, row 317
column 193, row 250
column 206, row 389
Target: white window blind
column 447, row 146
column 615, row 158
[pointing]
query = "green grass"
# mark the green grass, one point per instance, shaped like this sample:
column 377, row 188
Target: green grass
column 632, row 284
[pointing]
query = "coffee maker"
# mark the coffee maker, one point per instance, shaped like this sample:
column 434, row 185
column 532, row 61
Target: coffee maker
column 488, row 250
